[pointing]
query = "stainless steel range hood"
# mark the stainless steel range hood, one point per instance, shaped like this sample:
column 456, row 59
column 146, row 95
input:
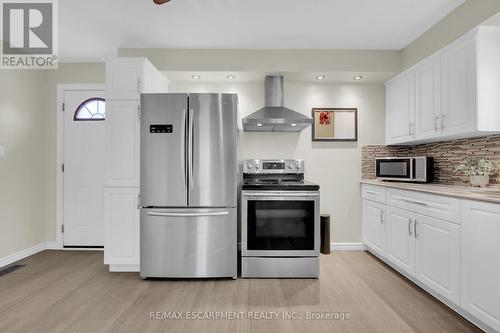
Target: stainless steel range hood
column 274, row 117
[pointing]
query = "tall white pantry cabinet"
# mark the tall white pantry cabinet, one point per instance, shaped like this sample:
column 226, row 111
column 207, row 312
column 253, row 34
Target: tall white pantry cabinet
column 126, row 79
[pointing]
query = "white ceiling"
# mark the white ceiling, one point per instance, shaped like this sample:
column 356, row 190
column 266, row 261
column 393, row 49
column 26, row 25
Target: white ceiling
column 92, row 29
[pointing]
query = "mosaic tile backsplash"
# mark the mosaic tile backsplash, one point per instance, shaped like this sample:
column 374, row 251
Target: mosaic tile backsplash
column 447, row 155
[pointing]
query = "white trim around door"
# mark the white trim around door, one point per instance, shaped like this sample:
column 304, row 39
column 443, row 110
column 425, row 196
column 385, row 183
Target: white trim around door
column 61, row 88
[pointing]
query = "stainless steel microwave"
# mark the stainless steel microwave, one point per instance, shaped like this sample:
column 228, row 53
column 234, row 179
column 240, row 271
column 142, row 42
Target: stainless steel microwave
column 405, row 169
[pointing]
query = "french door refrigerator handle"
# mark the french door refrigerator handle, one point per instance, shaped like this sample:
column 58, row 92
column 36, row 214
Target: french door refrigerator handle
column 183, row 150
column 188, row 214
column 191, row 148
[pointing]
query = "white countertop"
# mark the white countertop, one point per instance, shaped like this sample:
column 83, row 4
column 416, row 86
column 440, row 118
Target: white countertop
column 489, row 194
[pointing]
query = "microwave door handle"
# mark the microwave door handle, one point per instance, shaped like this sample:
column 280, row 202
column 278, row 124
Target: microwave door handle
column 412, row 176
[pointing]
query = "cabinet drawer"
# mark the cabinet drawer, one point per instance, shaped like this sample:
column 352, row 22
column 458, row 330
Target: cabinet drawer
column 440, row 207
column 374, row 193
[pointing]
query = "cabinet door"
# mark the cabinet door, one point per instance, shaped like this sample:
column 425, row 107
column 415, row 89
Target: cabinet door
column 123, row 80
column 400, row 109
column 400, row 243
column 438, row 255
column 121, row 224
column 373, row 226
column 459, row 93
column 480, row 277
column 428, row 99
column 122, row 143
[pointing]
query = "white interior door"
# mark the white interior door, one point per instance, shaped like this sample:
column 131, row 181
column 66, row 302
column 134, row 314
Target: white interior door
column 84, row 168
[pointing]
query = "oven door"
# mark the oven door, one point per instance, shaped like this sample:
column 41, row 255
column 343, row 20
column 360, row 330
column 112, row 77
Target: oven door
column 280, row 224
column 399, row 168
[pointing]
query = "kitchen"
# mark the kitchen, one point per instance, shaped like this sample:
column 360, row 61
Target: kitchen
column 349, row 289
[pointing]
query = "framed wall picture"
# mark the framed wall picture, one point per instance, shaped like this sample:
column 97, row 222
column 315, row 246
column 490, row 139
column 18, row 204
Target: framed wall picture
column 335, row 124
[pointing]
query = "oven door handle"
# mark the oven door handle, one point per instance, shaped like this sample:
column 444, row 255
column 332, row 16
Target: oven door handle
column 281, row 194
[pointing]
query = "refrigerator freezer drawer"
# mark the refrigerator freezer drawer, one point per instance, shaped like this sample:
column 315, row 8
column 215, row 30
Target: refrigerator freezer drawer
column 188, row 243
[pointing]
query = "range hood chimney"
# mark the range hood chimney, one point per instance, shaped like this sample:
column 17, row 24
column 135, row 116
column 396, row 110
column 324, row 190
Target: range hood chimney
column 274, row 117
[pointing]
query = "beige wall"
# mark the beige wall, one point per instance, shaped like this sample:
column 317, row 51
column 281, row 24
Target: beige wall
column 455, row 24
column 23, row 132
column 269, row 60
column 28, row 131
column 335, row 166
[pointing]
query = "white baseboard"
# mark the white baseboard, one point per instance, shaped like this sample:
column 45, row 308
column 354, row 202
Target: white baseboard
column 22, row 254
column 7, row 260
column 348, row 247
column 52, row 246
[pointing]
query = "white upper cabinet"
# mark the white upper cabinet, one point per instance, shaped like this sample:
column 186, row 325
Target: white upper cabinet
column 454, row 95
column 459, row 88
column 127, row 78
column 123, row 143
column 480, row 271
column 400, row 109
column 427, row 99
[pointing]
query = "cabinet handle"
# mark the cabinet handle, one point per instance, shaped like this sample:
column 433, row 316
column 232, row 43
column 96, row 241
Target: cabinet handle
column 415, row 202
column 436, row 127
column 415, row 230
column 381, row 217
column 409, row 128
column 139, row 88
column 442, row 121
column 410, row 221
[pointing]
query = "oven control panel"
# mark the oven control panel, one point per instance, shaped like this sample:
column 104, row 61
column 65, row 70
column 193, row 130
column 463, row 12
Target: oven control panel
column 273, row 166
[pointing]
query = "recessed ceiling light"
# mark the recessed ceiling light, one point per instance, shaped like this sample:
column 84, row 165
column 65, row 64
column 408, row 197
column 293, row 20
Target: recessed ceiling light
column 259, row 125
column 196, row 77
column 357, row 77
column 293, row 125
column 231, row 77
column 320, row 77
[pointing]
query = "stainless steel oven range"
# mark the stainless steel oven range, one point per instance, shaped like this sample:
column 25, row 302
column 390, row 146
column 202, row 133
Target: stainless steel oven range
column 280, row 220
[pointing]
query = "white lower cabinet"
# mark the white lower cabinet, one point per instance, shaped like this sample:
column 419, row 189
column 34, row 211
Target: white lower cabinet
column 448, row 246
column 480, row 271
column 426, row 248
column 437, row 255
column 121, row 222
column 400, row 241
column 373, row 226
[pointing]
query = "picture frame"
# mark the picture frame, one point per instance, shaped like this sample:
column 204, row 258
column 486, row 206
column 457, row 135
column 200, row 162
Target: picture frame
column 335, row 124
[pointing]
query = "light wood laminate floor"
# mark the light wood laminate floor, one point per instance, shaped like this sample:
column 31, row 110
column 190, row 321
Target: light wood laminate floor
column 72, row 291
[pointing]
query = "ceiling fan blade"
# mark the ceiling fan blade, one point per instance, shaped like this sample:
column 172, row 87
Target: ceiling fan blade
column 160, row 2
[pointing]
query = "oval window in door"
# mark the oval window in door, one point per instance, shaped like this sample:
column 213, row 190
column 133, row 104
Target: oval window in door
column 92, row 109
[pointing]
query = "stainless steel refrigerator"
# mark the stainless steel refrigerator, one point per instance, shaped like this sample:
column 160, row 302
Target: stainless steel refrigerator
column 189, row 179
